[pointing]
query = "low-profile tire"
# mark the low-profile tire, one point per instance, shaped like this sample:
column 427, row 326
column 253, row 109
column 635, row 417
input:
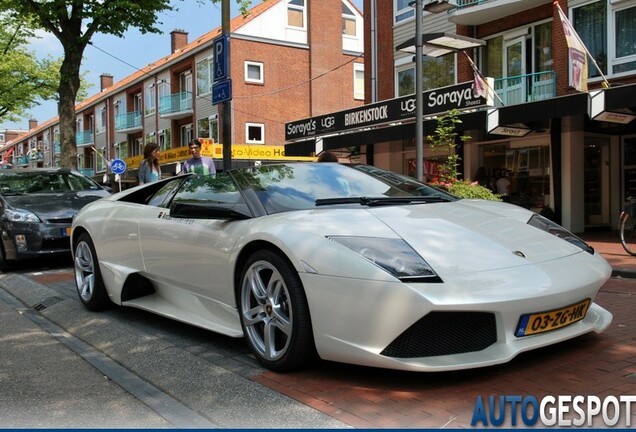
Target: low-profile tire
column 274, row 312
column 88, row 278
column 5, row 266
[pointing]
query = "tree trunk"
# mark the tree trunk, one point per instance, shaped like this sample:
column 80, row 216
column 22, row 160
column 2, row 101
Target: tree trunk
column 69, row 86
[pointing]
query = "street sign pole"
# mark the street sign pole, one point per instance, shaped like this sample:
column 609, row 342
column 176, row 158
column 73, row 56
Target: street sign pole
column 226, row 107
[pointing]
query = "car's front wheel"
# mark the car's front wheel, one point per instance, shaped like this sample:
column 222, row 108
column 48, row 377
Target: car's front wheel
column 88, row 278
column 274, row 312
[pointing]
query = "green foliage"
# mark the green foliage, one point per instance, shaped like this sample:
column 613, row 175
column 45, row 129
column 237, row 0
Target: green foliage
column 23, row 78
column 467, row 189
column 445, row 136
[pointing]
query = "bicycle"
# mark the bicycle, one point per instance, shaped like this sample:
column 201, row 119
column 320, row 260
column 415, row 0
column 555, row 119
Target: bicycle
column 627, row 226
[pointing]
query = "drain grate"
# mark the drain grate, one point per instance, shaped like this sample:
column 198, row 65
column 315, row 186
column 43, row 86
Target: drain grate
column 47, row 303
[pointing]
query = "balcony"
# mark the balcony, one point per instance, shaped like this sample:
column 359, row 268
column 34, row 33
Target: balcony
column 525, row 88
column 477, row 12
column 176, row 106
column 21, row 160
column 84, row 138
column 129, row 122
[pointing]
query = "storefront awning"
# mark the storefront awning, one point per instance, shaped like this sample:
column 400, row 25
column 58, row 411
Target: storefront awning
column 613, row 105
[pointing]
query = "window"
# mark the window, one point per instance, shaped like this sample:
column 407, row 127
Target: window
column 403, row 10
column 436, row 72
column 406, row 81
column 253, row 72
column 608, row 32
column 204, row 76
column 187, row 134
column 208, row 128
column 163, row 139
column 255, row 133
column 348, row 21
column 121, row 150
column 358, row 81
column 296, row 13
column 100, row 122
column 150, row 104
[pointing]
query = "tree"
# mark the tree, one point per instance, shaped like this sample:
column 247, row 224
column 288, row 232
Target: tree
column 74, row 23
column 23, row 78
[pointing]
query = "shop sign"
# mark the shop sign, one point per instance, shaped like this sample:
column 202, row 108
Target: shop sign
column 437, row 101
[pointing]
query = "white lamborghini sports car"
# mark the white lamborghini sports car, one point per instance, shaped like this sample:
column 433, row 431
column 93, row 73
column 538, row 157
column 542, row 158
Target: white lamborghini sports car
column 351, row 264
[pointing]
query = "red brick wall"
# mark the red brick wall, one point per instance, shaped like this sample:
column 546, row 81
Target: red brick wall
column 298, row 82
column 384, row 32
column 283, row 95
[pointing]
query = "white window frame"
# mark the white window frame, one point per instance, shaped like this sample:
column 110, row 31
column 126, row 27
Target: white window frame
column 150, row 100
column 352, row 18
column 260, row 126
column 260, row 67
column 403, row 14
column 302, row 9
column 209, row 65
column 358, row 89
column 186, row 133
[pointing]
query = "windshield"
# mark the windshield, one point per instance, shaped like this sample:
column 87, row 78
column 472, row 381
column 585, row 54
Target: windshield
column 309, row 185
column 30, row 182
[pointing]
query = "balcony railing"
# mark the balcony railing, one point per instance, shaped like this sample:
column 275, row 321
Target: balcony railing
column 465, row 3
column 175, row 106
column 85, row 137
column 21, row 160
column 525, row 88
column 128, row 122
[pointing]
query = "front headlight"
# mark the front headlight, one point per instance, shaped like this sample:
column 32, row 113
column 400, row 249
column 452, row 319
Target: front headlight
column 394, row 256
column 555, row 229
column 21, row 216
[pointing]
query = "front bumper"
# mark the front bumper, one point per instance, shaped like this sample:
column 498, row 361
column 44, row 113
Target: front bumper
column 40, row 239
column 358, row 321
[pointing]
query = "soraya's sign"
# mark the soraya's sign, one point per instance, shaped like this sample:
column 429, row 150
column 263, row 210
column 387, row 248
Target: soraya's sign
column 436, row 101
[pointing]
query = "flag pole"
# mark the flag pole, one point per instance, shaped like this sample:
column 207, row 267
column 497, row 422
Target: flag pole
column 474, row 66
column 563, row 16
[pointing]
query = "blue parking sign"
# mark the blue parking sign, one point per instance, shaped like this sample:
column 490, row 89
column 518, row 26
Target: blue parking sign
column 221, row 52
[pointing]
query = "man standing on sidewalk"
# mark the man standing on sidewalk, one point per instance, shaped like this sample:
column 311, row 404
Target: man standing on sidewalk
column 198, row 164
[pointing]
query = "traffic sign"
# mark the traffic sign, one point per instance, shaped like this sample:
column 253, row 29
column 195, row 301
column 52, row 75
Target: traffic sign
column 221, row 50
column 118, row 166
column 221, row 91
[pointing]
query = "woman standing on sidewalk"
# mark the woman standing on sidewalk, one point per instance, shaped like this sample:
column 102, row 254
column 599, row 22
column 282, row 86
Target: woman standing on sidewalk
column 149, row 170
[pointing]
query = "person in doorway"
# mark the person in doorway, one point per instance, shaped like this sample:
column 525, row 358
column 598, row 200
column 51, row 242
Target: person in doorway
column 198, row 164
column 503, row 186
column 149, row 170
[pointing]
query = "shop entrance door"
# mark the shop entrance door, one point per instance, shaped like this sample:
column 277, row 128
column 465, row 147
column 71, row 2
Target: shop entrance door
column 596, row 182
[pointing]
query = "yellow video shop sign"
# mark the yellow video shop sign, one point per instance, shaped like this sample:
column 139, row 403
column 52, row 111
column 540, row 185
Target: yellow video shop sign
column 215, row 151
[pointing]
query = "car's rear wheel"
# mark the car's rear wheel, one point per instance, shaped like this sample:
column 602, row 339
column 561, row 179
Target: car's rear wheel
column 274, row 312
column 88, row 278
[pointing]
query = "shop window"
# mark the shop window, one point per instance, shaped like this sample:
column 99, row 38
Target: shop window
column 527, row 167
